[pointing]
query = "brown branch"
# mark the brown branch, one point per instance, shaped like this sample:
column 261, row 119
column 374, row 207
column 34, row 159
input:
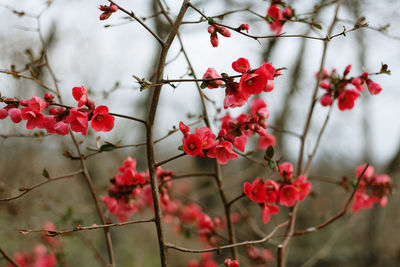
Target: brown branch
column 170, row 159
column 82, row 228
column 281, row 252
column 149, row 133
column 337, row 216
column 39, row 82
column 310, row 157
column 234, row 245
column 8, row 257
column 127, row 117
column 49, row 180
column 131, row 14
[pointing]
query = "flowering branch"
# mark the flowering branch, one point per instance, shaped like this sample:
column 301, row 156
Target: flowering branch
column 340, row 214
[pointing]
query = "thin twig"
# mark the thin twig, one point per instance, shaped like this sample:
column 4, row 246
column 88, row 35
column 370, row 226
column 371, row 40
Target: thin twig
column 131, row 14
column 170, row 159
column 82, row 228
column 48, row 180
column 8, row 257
column 235, row 245
column 337, row 216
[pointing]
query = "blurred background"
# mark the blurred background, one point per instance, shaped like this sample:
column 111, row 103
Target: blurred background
column 103, row 56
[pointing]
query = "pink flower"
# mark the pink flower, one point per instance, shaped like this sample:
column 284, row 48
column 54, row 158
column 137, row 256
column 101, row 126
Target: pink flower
column 37, row 105
column 346, row 99
column 78, row 121
column 358, row 83
column 368, row 174
column 192, row 145
column 33, row 119
column 373, row 87
column 259, row 108
column 288, row 195
column 255, row 191
column 265, row 141
column 101, row 120
column 241, row 65
column 223, row 152
column 211, row 73
column 80, row 94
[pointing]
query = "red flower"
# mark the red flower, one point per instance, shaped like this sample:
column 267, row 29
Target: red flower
column 192, row 145
column 277, row 15
column 265, row 141
column 267, row 211
column 241, row 65
column 101, row 120
column 78, row 121
column 235, row 96
column 288, row 195
column 15, row 114
column 286, row 170
column 346, row 99
column 184, row 128
column 207, row 137
column 255, row 82
column 255, row 191
column 211, row 73
column 36, row 104
column 373, row 87
column 34, row 119
column 223, row 152
column 80, row 95
column 3, row 114
column 302, row 186
column 326, row 100
column 244, row 27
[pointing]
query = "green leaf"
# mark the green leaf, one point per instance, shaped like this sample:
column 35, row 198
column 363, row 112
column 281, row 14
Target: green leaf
column 204, row 85
column 272, row 164
column 270, row 152
column 180, row 148
column 45, row 173
column 316, row 25
column 210, row 21
column 107, row 147
column 269, row 19
column 219, row 251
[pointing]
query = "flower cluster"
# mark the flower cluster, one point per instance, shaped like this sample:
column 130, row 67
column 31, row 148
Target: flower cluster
column 372, row 188
column 213, row 30
column 285, row 192
column 233, row 133
column 107, row 11
column 252, row 82
column 336, row 87
column 41, row 256
column 59, row 118
column 276, row 17
column 130, row 190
